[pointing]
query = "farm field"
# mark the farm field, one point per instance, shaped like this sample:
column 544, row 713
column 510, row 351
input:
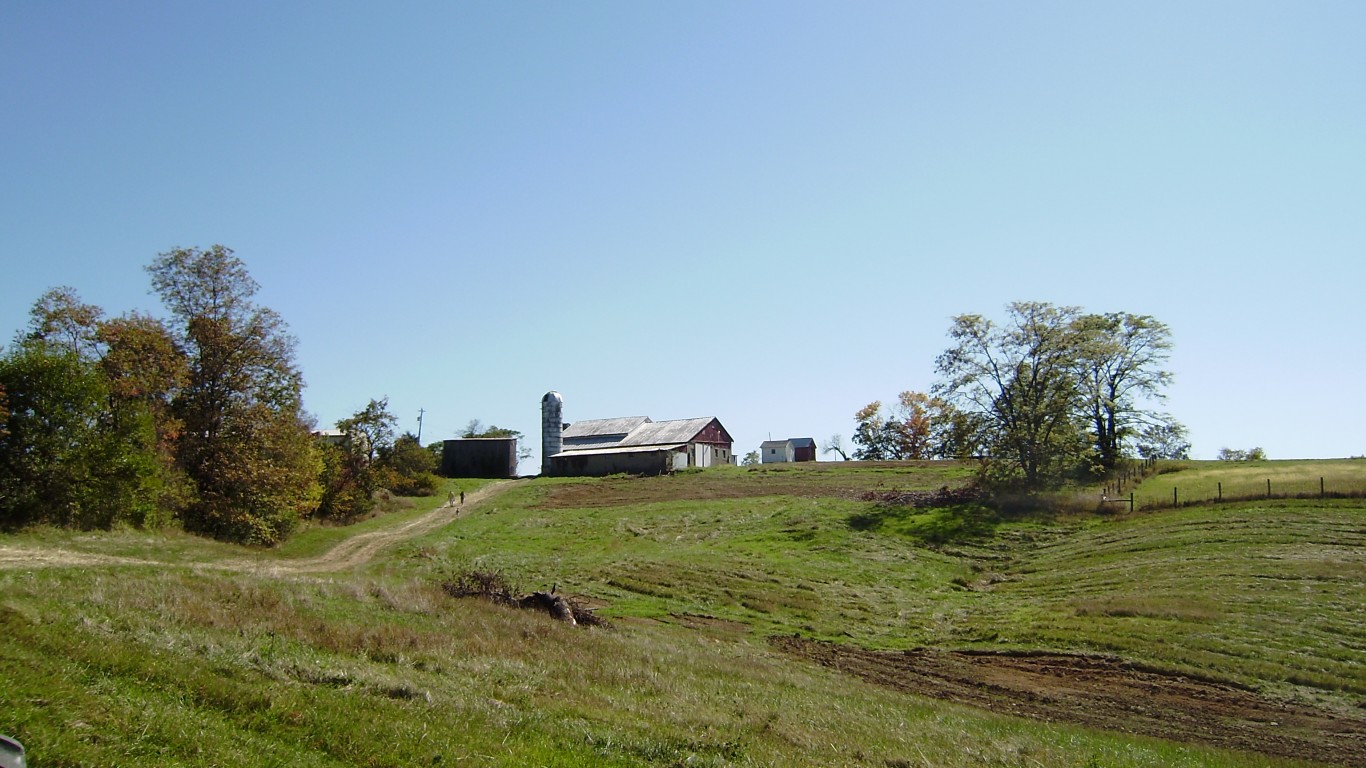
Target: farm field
column 755, row 617
column 1200, row 481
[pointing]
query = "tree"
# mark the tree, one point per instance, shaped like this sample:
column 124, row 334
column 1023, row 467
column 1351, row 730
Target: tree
column 64, row 459
column 61, row 319
column 409, row 469
column 370, row 430
column 1119, row 360
column 116, row 445
column 1017, row 382
column 350, row 474
column 870, row 434
column 245, row 444
column 475, row 429
column 905, row 431
column 1164, row 440
column 833, row 444
column 1234, row 454
column 144, row 368
column 751, row 459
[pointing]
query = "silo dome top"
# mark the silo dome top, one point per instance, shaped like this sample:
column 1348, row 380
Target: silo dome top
column 552, row 396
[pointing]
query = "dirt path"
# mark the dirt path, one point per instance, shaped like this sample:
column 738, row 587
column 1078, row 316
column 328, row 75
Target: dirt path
column 17, row 558
column 357, row 550
column 1107, row 693
column 362, row 548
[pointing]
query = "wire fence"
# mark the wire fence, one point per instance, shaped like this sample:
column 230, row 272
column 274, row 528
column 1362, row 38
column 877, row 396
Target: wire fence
column 1140, row 485
column 1155, row 494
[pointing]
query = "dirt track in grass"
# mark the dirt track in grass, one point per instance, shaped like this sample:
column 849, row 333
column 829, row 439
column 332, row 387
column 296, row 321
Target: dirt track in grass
column 1105, row 693
column 350, row 553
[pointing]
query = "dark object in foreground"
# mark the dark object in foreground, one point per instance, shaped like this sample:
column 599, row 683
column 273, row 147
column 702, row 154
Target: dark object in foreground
column 11, row 753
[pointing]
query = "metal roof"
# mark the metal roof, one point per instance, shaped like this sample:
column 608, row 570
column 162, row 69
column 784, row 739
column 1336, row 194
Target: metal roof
column 595, row 427
column 619, row 449
column 662, row 432
column 802, row 442
column 587, row 443
column 773, row 444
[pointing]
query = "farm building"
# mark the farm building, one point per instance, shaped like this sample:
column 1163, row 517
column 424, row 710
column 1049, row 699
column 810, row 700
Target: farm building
column 791, row 449
column 479, row 457
column 631, row 444
column 329, row 436
column 775, row 451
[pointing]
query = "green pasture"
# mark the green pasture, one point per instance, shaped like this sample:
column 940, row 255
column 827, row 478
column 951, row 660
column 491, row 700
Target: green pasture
column 172, row 664
column 1199, row 481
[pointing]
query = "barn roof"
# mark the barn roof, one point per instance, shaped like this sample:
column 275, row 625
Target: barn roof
column 665, row 432
column 773, row 444
column 598, row 427
column 802, row 442
column 619, row 450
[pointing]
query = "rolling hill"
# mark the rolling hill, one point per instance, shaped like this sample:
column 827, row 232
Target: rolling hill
column 825, row 614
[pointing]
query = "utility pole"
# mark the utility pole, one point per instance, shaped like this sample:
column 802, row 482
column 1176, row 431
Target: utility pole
column 420, row 412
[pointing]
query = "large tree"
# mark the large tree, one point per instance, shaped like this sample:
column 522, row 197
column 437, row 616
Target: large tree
column 1120, row 368
column 1018, row 382
column 1053, row 389
column 245, row 441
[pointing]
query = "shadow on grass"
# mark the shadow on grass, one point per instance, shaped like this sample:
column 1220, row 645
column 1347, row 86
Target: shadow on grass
column 954, row 524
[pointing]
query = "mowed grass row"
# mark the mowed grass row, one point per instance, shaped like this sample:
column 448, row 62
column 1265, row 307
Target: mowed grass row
column 1265, row 594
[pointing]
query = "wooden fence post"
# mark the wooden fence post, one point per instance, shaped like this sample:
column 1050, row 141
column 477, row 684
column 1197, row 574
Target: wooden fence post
column 1320, row 487
column 1221, row 490
column 1174, row 504
column 1131, row 502
column 1268, row 487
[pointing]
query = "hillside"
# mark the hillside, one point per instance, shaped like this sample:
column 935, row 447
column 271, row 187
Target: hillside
column 757, row 617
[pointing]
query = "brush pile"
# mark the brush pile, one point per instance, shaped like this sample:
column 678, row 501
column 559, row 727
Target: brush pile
column 495, row 587
column 944, row 497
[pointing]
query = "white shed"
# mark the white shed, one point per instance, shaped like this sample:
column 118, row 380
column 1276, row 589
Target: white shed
column 776, row 451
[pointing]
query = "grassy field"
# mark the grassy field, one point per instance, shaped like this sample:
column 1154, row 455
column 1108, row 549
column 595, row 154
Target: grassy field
column 1200, row 481
column 171, row 661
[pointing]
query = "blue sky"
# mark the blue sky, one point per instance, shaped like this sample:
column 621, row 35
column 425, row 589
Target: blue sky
column 766, row 212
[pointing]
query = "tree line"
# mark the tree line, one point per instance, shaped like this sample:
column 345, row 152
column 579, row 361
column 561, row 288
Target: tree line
column 1048, row 394
column 197, row 419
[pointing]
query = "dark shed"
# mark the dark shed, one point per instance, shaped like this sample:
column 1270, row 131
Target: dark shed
column 479, row 457
column 803, row 449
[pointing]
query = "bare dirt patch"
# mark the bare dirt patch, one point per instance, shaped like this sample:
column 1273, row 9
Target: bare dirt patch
column 1106, row 693
column 23, row 557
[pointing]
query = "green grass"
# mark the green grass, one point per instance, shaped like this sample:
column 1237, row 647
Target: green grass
column 183, row 666
column 1198, row 481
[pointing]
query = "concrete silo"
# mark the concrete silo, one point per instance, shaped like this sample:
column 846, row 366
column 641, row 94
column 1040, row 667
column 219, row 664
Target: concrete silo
column 552, row 424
